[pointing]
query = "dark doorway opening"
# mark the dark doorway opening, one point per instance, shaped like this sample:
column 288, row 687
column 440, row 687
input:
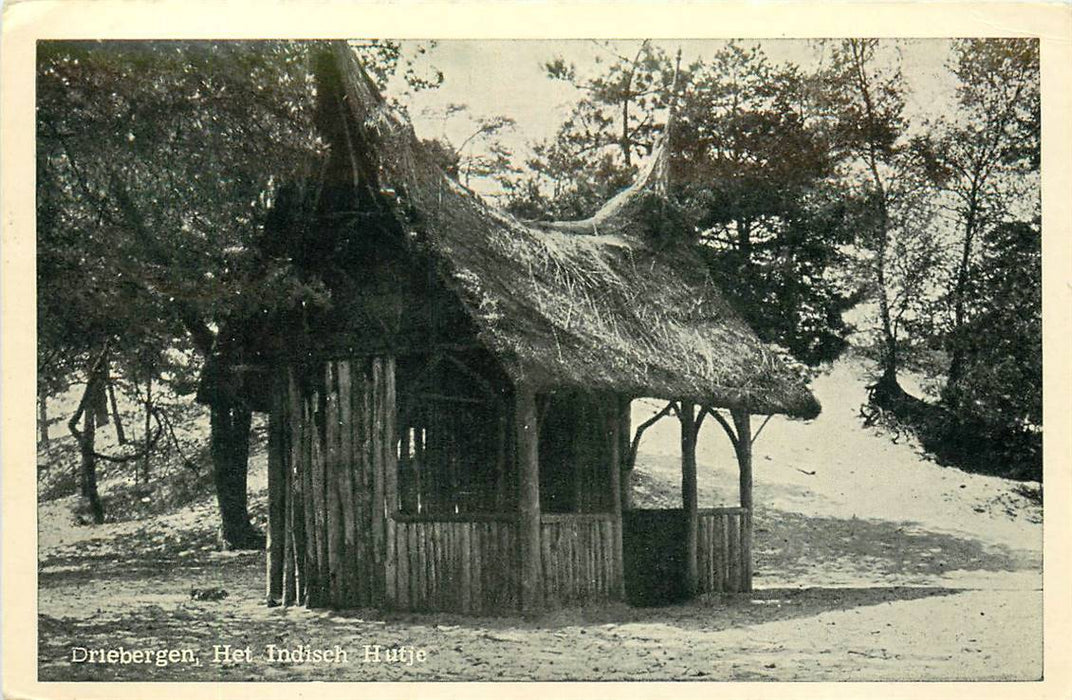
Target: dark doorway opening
column 653, row 544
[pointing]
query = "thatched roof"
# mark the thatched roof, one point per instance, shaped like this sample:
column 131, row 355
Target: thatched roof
column 575, row 304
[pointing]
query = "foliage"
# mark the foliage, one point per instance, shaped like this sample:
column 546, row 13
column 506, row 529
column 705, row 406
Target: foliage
column 973, row 261
column 984, row 162
column 158, row 165
column 594, row 153
column 1002, row 379
column 752, row 161
column 890, row 202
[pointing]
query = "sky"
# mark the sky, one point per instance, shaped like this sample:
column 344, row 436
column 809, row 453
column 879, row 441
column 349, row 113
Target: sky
column 506, row 77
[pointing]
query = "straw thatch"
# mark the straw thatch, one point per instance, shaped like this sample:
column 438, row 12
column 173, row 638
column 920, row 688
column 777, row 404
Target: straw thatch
column 573, row 304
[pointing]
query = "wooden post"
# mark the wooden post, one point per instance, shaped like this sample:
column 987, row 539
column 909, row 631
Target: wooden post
column 276, row 499
column 501, row 497
column 742, row 421
column 617, row 587
column 687, row 416
column 625, row 436
column 528, row 499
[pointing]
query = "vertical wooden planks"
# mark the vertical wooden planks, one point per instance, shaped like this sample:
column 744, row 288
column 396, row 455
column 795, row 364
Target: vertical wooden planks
column 456, row 565
column 723, row 543
column 362, row 480
column 333, row 482
column 289, row 573
column 709, row 547
column 332, row 506
column 413, row 564
column 322, row 488
column 296, row 499
column 436, row 541
column 277, row 498
column 402, row 548
column 290, row 570
column 312, row 565
column 351, row 565
column 733, row 553
column 466, row 582
column 477, row 530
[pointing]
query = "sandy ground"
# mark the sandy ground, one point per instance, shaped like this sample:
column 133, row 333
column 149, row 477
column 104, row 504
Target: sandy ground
column 872, row 563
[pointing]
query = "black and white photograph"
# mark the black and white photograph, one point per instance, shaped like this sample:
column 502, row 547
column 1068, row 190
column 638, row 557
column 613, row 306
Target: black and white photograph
column 565, row 359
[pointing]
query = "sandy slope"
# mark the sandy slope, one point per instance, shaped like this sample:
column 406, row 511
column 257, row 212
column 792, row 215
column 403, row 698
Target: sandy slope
column 872, row 563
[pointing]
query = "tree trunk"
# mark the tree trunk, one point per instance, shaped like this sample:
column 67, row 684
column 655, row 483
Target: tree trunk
column 120, row 435
column 960, row 292
column 889, row 359
column 42, row 417
column 87, row 471
column 148, row 426
column 889, row 340
column 229, row 440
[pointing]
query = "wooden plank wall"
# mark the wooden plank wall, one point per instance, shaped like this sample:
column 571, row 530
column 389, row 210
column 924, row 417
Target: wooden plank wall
column 332, row 454
column 724, row 550
column 579, row 559
column 457, row 565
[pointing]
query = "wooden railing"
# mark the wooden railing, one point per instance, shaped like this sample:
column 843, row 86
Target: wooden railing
column 579, row 558
column 463, row 563
column 724, row 550
column 468, row 562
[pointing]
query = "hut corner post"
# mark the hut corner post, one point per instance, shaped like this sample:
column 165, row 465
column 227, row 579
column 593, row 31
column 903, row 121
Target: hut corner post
column 743, row 447
column 687, row 416
column 616, row 474
column 625, row 433
column 528, row 499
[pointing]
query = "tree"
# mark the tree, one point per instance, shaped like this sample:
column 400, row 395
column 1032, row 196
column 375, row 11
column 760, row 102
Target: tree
column 753, row 165
column 157, row 164
column 892, row 210
column 1001, row 380
column 985, row 161
column 594, row 153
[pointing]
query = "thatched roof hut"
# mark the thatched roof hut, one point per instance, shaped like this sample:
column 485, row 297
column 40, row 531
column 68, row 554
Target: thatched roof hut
column 452, row 435
column 586, row 304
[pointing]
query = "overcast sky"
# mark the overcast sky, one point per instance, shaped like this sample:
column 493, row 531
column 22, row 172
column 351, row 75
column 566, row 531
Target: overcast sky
column 506, row 77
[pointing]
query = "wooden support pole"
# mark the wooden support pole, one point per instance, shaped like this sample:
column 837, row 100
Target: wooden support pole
column 528, row 499
column 625, row 433
column 742, row 421
column 617, row 588
column 687, row 417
